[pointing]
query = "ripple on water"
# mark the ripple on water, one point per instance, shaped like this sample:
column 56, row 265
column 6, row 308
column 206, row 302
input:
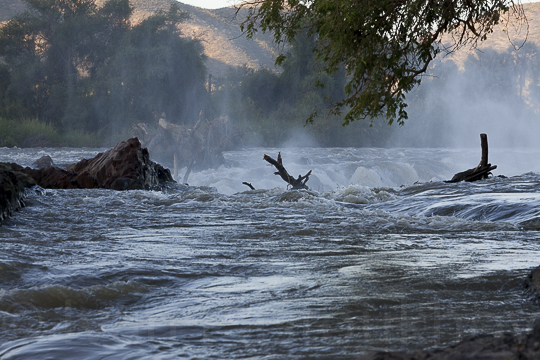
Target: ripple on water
column 57, row 296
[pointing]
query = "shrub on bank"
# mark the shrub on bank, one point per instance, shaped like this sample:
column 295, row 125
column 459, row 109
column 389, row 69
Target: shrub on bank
column 32, row 132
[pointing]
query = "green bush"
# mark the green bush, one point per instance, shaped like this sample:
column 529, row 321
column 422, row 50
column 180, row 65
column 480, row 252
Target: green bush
column 14, row 132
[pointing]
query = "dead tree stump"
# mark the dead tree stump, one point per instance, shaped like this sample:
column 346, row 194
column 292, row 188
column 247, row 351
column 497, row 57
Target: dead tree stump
column 298, row 183
column 482, row 171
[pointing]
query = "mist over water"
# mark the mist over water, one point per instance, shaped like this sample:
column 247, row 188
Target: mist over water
column 336, row 168
column 492, row 93
column 484, row 92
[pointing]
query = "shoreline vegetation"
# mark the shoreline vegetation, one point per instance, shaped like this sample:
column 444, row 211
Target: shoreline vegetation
column 26, row 133
column 131, row 75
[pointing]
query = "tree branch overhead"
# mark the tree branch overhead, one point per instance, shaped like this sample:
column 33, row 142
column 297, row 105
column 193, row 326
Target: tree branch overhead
column 384, row 45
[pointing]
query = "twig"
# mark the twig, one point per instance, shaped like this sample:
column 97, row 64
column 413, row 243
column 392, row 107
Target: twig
column 248, row 184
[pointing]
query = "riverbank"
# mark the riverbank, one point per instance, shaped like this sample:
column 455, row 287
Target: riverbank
column 27, row 133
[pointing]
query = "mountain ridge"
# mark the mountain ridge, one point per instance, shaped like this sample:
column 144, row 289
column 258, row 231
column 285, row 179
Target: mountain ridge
column 217, row 29
column 219, row 32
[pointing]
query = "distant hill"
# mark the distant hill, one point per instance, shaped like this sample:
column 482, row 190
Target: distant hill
column 219, row 32
column 220, row 35
column 224, row 45
column 501, row 40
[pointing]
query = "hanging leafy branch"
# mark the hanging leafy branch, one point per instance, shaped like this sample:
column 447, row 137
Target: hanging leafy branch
column 384, row 45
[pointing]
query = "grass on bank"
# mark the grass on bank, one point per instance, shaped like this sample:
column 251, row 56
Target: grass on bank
column 19, row 132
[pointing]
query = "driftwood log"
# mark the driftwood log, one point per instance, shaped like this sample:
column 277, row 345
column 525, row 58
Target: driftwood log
column 298, row 183
column 482, row 171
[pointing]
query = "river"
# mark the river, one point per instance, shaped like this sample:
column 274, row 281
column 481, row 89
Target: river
column 379, row 254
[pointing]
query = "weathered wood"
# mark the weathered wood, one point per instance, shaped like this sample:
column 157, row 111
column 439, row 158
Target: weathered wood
column 298, row 183
column 473, row 174
column 178, row 145
column 482, row 171
column 177, row 129
column 175, row 167
column 484, row 144
column 249, row 185
column 198, row 123
column 188, row 171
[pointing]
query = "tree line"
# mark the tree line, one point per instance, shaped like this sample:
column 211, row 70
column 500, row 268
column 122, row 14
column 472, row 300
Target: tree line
column 488, row 91
column 79, row 66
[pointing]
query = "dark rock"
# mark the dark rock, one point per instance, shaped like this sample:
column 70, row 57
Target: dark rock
column 13, row 185
column 53, row 177
column 532, row 284
column 85, row 180
column 26, row 180
column 125, row 167
column 505, row 347
column 43, row 162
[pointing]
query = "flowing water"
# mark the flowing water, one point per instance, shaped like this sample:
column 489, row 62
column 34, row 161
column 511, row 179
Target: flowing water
column 379, row 254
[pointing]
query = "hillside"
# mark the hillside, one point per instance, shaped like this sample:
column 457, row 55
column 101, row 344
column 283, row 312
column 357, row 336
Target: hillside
column 501, row 40
column 224, row 45
column 219, row 33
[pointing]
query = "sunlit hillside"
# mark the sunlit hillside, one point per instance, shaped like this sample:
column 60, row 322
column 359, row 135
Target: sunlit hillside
column 509, row 34
column 220, row 34
column 217, row 29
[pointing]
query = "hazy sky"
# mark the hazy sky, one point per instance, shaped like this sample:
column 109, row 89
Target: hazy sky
column 216, row 4
column 211, row 4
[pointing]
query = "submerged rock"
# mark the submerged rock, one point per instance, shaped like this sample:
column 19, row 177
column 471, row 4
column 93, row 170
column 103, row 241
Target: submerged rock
column 43, row 162
column 127, row 166
column 532, row 284
column 507, row 347
column 504, row 347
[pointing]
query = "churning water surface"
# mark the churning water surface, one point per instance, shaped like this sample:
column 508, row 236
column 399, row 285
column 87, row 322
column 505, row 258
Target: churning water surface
column 379, row 254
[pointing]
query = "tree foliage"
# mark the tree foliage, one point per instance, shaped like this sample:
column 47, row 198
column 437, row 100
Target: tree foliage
column 487, row 90
column 384, row 45
column 270, row 106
